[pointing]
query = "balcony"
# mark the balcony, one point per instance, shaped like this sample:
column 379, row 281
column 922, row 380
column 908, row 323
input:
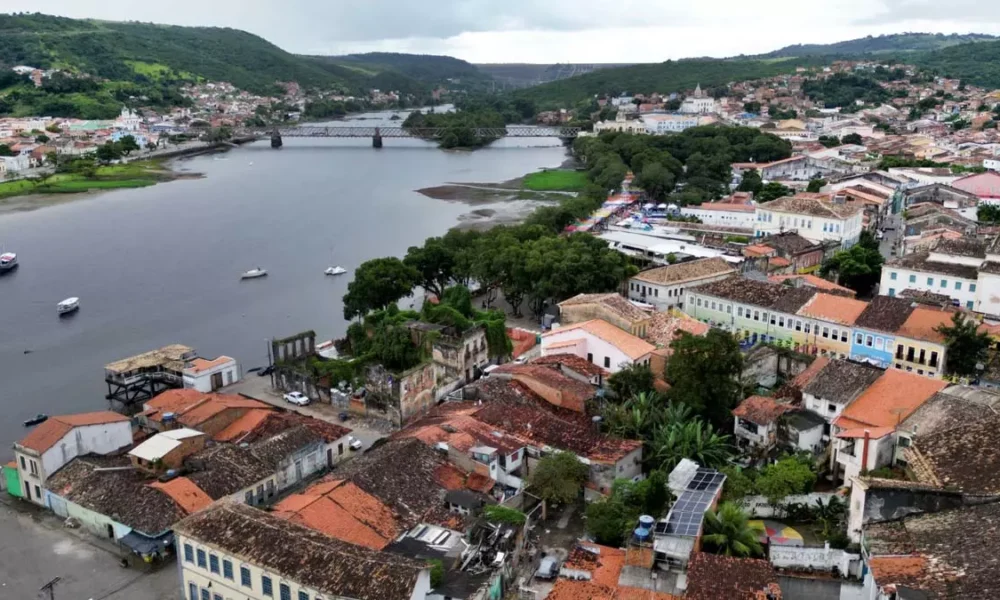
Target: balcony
column 751, row 436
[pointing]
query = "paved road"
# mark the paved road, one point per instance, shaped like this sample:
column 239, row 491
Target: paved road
column 891, row 236
column 34, row 550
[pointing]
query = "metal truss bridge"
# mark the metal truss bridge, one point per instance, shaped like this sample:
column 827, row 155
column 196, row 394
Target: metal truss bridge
column 308, row 131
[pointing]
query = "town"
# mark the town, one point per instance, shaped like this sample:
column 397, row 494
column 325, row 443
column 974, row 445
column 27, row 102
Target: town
column 761, row 360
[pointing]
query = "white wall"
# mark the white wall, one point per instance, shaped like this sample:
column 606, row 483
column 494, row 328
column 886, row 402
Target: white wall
column 822, row 407
column 203, row 380
column 592, row 345
column 988, row 294
column 665, row 297
column 822, row 559
column 767, row 222
column 965, row 295
column 728, row 218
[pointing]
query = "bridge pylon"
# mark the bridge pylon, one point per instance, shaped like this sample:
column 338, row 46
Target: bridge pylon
column 276, row 139
column 377, row 139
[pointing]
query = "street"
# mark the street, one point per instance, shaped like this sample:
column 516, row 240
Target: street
column 891, row 236
column 36, row 549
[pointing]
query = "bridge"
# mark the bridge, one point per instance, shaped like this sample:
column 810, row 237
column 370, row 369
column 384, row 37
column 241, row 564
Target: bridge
column 378, row 133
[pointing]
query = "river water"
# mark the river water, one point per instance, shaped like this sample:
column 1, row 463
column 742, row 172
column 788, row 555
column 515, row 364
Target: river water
column 161, row 265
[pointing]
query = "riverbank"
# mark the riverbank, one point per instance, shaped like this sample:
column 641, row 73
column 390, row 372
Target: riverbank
column 31, row 194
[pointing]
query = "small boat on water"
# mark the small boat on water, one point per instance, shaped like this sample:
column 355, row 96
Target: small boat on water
column 254, row 273
column 39, row 418
column 8, row 261
column 68, row 305
column 338, row 270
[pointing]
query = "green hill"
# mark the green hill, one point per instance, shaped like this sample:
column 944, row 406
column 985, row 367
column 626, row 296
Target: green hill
column 883, row 44
column 976, row 63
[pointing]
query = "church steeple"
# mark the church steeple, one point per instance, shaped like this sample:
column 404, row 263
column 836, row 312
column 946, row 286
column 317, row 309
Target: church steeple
column 697, row 91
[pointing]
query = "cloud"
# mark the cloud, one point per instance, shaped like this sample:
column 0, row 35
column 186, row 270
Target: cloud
column 982, row 14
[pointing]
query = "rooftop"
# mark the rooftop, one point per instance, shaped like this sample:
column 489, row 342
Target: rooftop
column 808, row 280
column 686, row 271
column 885, row 313
column 185, row 493
column 628, row 344
column 889, row 401
column 573, row 363
column 760, row 410
column 665, row 327
column 789, row 242
column 714, row 577
column 968, row 247
column 966, row 458
column 162, row 444
column 834, row 309
column 295, row 552
column 759, row 293
column 170, row 357
column 923, row 323
column 814, row 207
column 949, row 554
column 841, row 381
column 573, row 392
column 344, row 511
column 226, row 469
column 48, row 433
column 921, row 262
column 200, row 365
column 192, row 408
column 984, row 185
column 612, row 302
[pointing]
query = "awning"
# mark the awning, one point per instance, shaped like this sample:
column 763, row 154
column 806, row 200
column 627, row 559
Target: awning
column 140, row 544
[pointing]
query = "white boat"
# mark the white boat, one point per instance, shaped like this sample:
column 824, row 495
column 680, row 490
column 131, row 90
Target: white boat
column 68, row 305
column 254, row 273
column 8, row 260
column 338, row 270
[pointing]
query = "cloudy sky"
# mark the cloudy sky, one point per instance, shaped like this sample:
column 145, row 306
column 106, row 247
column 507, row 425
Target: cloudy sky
column 546, row 31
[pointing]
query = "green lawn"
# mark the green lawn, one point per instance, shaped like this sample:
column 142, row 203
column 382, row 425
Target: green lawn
column 108, row 177
column 557, row 180
column 15, row 188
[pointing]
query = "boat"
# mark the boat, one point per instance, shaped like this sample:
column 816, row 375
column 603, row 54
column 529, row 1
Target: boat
column 254, row 273
column 39, row 418
column 8, row 261
column 338, row 270
column 68, row 305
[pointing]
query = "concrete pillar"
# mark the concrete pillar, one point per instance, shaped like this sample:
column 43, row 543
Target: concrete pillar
column 377, row 139
column 276, row 139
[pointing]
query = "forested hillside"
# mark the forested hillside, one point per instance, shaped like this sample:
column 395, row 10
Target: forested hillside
column 977, row 63
column 883, row 44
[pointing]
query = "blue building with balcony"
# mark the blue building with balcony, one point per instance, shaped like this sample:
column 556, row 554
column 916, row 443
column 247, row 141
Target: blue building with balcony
column 873, row 338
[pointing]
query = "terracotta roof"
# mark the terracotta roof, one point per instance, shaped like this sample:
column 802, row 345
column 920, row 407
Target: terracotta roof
column 277, row 422
column 724, row 206
column 714, row 577
column 566, row 589
column 573, row 393
column 889, row 400
column 967, row 247
column 841, row 381
column 920, row 261
column 47, row 434
column 664, row 328
column 889, row 570
column 966, row 458
column 922, row 325
column 984, row 185
column 573, row 363
column 602, row 562
column 885, row 314
column 760, row 410
column 193, row 408
column 758, row 293
column 628, row 344
column 200, row 364
column 308, row 557
column 833, row 309
column 342, row 510
column 613, row 302
column 185, row 493
column 758, row 250
column 810, row 373
column 801, row 205
column 813, row 281
column 242, row 426
column 686, row 271
column 478, row 482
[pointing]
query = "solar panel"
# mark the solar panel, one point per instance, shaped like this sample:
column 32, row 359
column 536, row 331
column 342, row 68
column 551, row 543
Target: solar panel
column 688, row 511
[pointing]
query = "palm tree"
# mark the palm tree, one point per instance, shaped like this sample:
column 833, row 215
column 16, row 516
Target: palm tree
column 728, row 532
column 636, row 417
column 829, row 514
column 695, row 440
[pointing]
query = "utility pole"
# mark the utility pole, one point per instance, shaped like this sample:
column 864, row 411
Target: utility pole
column 50, row 588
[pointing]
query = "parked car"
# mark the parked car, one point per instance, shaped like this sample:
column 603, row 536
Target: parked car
column 548, row 569
column 297, row 398
column 344, row 417
column 354, row 443
column 265, row 371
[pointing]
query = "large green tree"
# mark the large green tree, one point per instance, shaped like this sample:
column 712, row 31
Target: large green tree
column 751, row 182
column 558, row 478
column 728, row 532
column 790, row 475
column 655, row 180
column 377, row 284
column 612, row 519
column 859, row 268
column 631, row 381
column 704, row 373
column 773, row 191
column 435, row 263
column 967, row 346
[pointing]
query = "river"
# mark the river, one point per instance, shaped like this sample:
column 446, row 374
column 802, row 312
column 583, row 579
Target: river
column 161, row 265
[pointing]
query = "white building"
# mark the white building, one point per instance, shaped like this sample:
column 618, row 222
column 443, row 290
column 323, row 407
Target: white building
column 660, row 124
column 228, row 551
column 600, row 342
column 992, row 164
column 814, row 219
column 620, row 124
column 59, row 440
column 622, row 100
column 15, row 164
column 209, row 375
column 128, row 120
column 722, row 214
column 698, row 103
column 663, row 287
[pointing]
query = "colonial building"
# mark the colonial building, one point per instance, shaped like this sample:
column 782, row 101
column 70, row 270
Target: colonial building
column 663, row 287
column 815, row 219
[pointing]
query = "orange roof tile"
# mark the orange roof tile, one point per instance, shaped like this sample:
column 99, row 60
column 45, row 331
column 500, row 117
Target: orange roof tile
column 758, row 250
column 887, row 569
column 779, row 261
column 922, row 323
column 342, row 510
column 890, row 400
column 478, row 482
column 564, row 589
column 185, row 493
column 760, row 410
column 634, row 593
column 812, row 280
column 450, row 477
column 835, row 309
column 200, row 364
column 630, row 345
column 802, row 379
column 243, row 425
column 48, row 433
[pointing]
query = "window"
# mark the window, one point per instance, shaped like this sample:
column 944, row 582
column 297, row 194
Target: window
column 227, row 569
column 213, row 563
column 930, row 281
column 774, row 321
column 833, row 335
column 205, row 594
column 216, row 596
column 756, row 315
column 913, row 278
column 958, row 285
column 699, row 302
column 798, row 325
column 303, row 596
column 808, row 327
column 270, row 488
column 831, row 407
column 188, row 553
column 899, row 351
column 690, row 299
column 729, row 309
column 607, row 362
column 739, row 311
column 910, row 352
column 944, row 283
column 713, row 306
column 843, row 336
column 869, row 341
column 590, row 357
column 24, row 465
column 892, row 292
column 284, row 592
column 826, row 332
column 878, row 343
column 904, row 442
column 969, row 305
column 892, row 276
column 934, row 359
column 201, row 558
column 38, row 492
column 781, row 321
column 192, row 591
column 248, row 497
column 245, row 577
column 265, row 585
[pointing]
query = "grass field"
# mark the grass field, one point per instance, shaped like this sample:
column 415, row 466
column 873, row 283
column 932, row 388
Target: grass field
column 131, row 175
column 555, row 181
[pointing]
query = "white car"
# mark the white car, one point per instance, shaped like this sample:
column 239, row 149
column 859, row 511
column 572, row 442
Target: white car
column 353, row 443
column 297, row 398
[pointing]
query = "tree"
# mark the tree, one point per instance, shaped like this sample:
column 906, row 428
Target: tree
column 611, row 520
column 631, row 381
column 109, row 151
column 694, row 440
column 988, row 213
column 967, row 346
column 655, row 180
column 858, row 268
column 789, row 475
column 607, row 522
column 704, row 373
column 5, row 150
column 738, row 483
column 830, row 514
column 435, row 263
column 728, row 532
column 852, row 138
column 42, row 139
column 751, row 107
column 773, row 191
column 829, row 141
column 558, row 478
column 128, row 144
column 377, row 284
column 815, row 185
column 751, row 182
